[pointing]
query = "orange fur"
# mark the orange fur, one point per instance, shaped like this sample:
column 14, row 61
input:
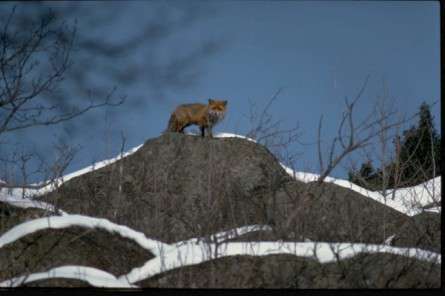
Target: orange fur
column 205, row 116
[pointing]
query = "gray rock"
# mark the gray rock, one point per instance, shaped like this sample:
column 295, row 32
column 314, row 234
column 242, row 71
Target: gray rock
column 179, row 186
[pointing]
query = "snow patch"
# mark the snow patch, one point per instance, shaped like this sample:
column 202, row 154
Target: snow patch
column 58, row 222
column 29, row 203
column 409, row 201
column 389, row 240
column 192, row 254
column 94, row 276
column 22, row 197
column 230, row 135
column 226, row 235
column 52, row 185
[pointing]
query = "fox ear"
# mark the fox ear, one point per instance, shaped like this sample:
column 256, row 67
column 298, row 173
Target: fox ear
column 210, row 101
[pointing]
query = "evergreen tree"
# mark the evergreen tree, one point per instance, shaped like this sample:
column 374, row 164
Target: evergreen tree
column 364, row 175
column 419, row 158
column 420, row 150
column 367, row 169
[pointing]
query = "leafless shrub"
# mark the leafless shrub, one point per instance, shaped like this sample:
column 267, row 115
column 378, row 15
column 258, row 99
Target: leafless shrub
column 268, row 131
column 34, row 59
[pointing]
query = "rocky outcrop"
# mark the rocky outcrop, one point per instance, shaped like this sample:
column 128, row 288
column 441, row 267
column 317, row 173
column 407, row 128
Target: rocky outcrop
column 422, row 230
column 46, row 249
column 179, row 186
column 290, row 272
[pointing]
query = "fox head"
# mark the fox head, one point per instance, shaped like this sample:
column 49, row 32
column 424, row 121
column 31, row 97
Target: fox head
column 217, row 105
column 217, row 109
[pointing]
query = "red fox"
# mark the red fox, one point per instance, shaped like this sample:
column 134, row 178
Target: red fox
column 205, row 116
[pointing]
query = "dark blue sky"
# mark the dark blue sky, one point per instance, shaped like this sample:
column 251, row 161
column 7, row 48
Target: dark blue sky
column 318, row 52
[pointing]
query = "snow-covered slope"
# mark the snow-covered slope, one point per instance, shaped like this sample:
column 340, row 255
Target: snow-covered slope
column 409, row 201
column 95, row 277
column 48, row 186
column 22, row 197
column 188, row 252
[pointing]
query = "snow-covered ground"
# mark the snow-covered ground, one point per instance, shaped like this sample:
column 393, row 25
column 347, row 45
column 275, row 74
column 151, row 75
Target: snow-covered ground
column 58, row 222
column 188, row 252
column 229, row 135
column 22, row 197
column 409, row 201
column 95, row 277
column 197, row 250
column 20, row 202
column 323, row 252
column 48, row 186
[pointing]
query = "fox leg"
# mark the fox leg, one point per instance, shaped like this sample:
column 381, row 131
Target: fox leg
column 202, row 130
column 182, row 127
column 209, row 131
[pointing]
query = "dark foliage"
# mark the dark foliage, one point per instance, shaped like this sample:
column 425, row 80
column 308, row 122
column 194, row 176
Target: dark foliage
column 416, row 158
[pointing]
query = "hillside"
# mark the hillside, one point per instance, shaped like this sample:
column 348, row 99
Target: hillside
column 186, row 211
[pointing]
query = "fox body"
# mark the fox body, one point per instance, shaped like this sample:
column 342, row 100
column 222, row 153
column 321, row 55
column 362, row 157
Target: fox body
column 205, row 116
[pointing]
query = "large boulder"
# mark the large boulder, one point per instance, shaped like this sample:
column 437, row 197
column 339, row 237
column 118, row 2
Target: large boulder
column 179, row 186
column 50, row 248
column 366, row 271
column 422, row 231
